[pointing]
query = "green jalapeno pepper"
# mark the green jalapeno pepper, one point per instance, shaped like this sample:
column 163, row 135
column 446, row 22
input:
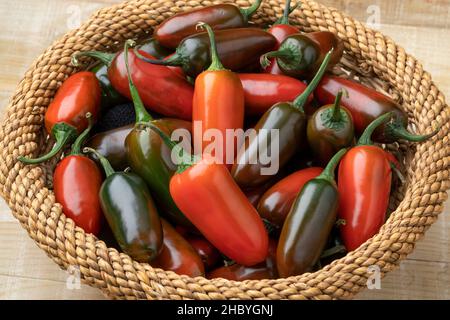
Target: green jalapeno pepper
column 290, row 121
column 131, row 213
column 309, row 223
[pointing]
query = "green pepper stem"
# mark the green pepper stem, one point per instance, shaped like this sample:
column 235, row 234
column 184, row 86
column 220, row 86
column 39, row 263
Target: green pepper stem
column 397, row 172
column 328, row 173
column 173, row 61
column 64, row 134
column 185, row 160
column 141, row 113
column 216, row 64
column 301, row 100
column 103, row 161
column 76, row 146
column 285, row 53
column 248, row 12
column 105, row 58
column 366, row 137
column 398, row 131
column 287, row 11
column 336, row 115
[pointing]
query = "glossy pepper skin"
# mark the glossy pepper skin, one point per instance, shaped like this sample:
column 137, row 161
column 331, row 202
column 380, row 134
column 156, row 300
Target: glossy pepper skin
column 329, row 130
column 326, row 41
column 76, row 184
column 290, row 121
column 238, row 49
column 111, row 145
column 152, row 81
column 209, row 255
column 131, row 213
column 110, row 96
column 365, row 177
column 300, row 56
column 222, row 16
column 276, row 202
column 309, row 223
column 154, row 48
column 148, row 156
column 262, row 91
column 218, row 104
column 177, row 254
column 366, row 105
column 232, row 225
column 281, row 30
column 237, row 272
column 65, row 117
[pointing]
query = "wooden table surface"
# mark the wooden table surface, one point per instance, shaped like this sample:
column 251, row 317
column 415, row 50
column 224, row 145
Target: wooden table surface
column 29, row 26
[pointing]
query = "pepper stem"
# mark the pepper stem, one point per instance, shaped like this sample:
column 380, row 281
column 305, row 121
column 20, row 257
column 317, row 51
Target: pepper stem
column 172, row 61
column 336, row 116
column 399, row 131
column 366, row 137
column 248, row 12
column 301, row 100
column 328, row 173
column 285, row 53
column 332, row 251
column 184, row 160
column 64, row 134
column 287, row 11
column 216, row 64
column 76, row 146
column 103, row 161
column 141, row 113
column 105, row 58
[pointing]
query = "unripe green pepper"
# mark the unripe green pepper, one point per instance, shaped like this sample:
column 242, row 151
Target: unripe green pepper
column 131, row 213
column 309, row 223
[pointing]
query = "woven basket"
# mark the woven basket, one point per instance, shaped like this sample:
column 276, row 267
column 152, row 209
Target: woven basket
column 370, row 57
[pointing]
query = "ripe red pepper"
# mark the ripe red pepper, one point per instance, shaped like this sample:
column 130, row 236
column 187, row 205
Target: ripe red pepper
column 218, row 104
column 365, row 105
column 231, row 224
column 177, row 254
column 210, row 255
column 152, row 81
column 65, row 118
column 76, row 182
column 262, row 91
column 275, row 204
column 221, row 16
column 263, row 270
column 364, row 185
column 281, row 30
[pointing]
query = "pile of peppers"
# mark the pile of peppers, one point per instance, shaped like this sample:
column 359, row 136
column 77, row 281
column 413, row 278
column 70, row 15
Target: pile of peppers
column 199, row 214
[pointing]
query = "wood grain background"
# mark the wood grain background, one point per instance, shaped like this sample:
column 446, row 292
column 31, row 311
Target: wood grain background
column 29, row 26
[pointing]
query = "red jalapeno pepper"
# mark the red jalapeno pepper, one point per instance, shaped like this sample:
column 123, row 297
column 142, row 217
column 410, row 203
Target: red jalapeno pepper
column 177, row 254
column 218, row 104
column 76, row 183
column 221, row 16
column 152, row 81
column 262, row 91
column 237, row 272
column 65, row 117
column 364, row 184
column 366, row 105
column 276, row 202
column 232, row 224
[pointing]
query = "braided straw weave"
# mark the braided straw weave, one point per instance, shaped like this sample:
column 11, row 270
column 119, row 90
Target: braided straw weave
column 370, row 57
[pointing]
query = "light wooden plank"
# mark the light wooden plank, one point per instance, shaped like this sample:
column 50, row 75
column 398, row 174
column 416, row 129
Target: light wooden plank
column 12, row 288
